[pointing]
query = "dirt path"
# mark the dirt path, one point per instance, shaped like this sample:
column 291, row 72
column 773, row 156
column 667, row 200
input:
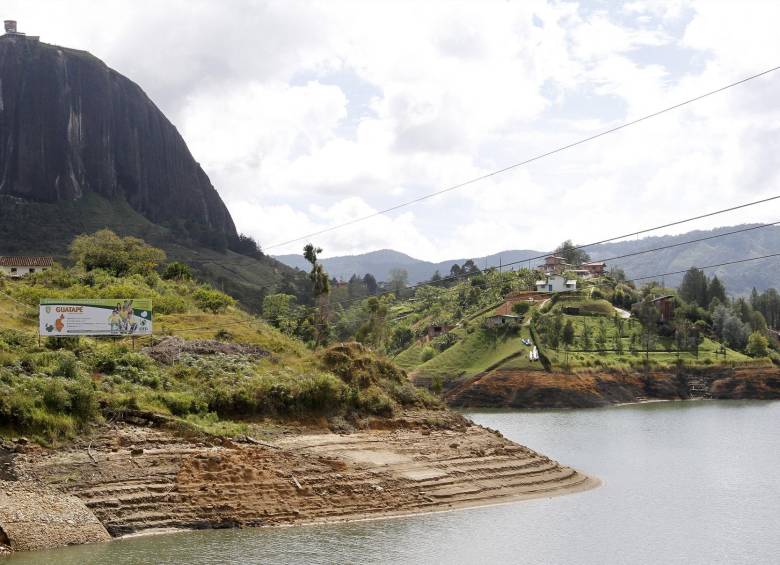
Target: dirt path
column 143, row 479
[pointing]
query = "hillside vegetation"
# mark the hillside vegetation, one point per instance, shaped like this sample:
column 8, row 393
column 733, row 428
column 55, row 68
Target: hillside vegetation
column 37, row 228
column 212, row 366
column 608, row 324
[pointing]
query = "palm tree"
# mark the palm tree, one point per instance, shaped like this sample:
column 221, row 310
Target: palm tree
column 321, row 286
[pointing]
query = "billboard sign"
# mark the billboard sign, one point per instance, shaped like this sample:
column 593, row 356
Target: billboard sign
column 106, row 316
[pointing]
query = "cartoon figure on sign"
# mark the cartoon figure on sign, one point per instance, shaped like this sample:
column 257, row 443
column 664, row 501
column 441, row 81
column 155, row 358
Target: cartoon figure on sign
column 59, row 323
column 114, row 320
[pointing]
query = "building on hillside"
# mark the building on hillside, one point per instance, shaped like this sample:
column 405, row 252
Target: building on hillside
column 12, row 31
column 594, row 268
column 503, row 321
column 554, row 264
column 16, row 267
column 665, row 307
column 435, row 330
column 555, row 283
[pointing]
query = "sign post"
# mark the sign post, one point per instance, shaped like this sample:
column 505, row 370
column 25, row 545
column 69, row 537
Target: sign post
column 96, row 317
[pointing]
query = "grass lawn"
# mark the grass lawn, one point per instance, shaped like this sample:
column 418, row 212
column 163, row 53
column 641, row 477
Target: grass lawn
column 664, row 354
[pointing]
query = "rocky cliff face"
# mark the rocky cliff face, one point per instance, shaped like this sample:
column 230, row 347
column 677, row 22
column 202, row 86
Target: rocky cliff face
column 70, row 125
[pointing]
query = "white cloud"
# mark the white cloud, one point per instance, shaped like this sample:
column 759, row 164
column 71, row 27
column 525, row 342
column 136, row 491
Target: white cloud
column 309, row 114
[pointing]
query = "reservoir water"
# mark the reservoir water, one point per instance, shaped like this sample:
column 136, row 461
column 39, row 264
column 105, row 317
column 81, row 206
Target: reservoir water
column 683, row 482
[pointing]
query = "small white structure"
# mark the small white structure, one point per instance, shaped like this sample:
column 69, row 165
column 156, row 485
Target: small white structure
column 16, row 267
column 555, row 283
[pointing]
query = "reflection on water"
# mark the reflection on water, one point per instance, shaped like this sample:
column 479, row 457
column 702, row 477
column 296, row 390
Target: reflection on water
column 682, row 483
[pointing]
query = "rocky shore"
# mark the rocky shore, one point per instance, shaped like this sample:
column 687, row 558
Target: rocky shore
column 588, row 389
column 126, row 479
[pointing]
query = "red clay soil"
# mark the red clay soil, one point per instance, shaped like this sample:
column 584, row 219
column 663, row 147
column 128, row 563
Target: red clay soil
column 539, row 389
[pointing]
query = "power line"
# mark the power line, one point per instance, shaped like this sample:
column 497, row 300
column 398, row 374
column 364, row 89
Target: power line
column 738, row 261
column 647, row 230
column 700, row 239
column 525, row 162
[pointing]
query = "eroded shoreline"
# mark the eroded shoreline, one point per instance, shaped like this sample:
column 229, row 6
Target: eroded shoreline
column 137, row 480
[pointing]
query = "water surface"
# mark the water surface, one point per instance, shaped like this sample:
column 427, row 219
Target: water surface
column 683, row 482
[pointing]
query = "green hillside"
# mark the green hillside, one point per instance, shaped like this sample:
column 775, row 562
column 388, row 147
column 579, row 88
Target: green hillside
column 600, row 327
column 211, row 366
column 31, row 228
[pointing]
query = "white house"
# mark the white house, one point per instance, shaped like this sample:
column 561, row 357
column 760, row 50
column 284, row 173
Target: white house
column 20, row 266
column 555, row 283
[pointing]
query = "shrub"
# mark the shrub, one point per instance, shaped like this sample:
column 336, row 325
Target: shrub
column 211, row 300
column 67, row 366
column 445, row 341
column 170, row 304
column 182, row 403
column 177, row 271
column 83, row 403
column 132, row 359
column 223, row 335
column 427, row 354
column 103, row 362
column 55, row 396
column 374, row 401
column 520, row 308
column 758, row 345
column 16, row 339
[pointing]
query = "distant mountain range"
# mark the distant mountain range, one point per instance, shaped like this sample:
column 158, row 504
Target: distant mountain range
column 739, row 279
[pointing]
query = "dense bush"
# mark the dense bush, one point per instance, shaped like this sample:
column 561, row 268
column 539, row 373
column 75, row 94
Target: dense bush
column 119, row 255
column 211, row 300
column 177, row 271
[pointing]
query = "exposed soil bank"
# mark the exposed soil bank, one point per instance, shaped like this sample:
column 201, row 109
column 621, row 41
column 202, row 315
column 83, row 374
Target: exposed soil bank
column 139, row 478
column 539, row 389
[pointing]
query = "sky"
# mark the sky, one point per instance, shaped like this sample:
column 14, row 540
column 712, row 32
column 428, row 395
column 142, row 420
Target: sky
column 310, row 114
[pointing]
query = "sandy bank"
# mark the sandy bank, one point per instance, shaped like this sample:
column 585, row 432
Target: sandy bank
column 137, row 479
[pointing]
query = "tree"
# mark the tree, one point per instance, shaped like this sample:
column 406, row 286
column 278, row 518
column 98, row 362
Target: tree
column 455, row 271
column 398, row 280
column 278, row 310
column 521, row 308
column 735, row 332
column 401, row 338
column 373, row 331
column 567, row 337
column 586, row 338
column 693, row 288
column 370, row 282
column 730, row 328
column 601, row 338
column 758, row 345
column 119, row 255
column 648, row 316
column 211, row 300
column 682, row 330
column 436, row 278
column 245, row 245
column 470, row 268
column 321, row 290
column 715, row 289
column 571, row 253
